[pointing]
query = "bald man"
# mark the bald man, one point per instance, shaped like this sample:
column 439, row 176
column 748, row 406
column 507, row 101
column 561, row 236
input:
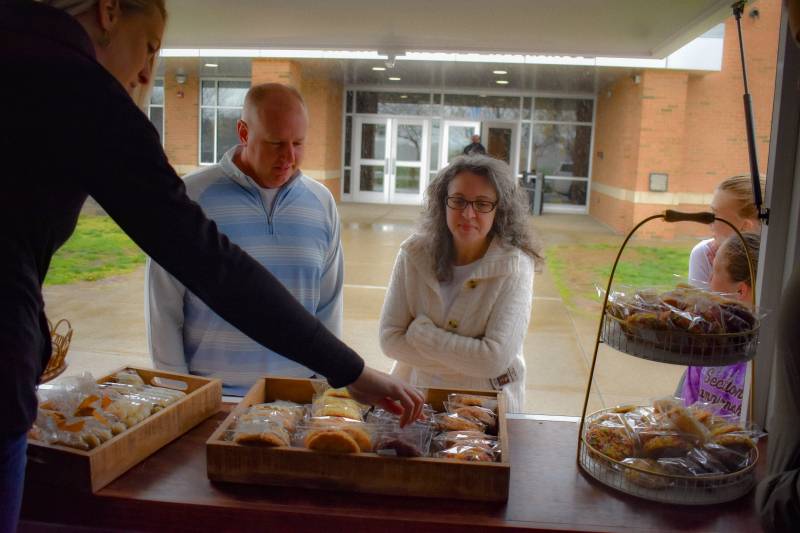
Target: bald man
column 288, row 222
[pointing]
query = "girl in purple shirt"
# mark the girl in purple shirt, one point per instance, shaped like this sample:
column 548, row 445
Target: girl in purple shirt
column 724, row 385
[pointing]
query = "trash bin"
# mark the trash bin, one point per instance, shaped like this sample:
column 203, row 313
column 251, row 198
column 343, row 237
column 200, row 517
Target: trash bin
column 533, row 185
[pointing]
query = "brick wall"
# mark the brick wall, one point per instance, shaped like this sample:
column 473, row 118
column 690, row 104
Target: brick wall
column 688, row 125
column 323, row 96
column 181, row 115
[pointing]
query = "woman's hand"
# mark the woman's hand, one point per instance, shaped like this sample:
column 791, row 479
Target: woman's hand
column 376, row 388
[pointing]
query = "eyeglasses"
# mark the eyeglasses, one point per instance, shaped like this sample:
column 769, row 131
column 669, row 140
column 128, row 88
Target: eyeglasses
column 480, row 206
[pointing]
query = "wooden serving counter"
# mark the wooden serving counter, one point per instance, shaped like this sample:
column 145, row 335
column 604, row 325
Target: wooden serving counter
column 170, row 491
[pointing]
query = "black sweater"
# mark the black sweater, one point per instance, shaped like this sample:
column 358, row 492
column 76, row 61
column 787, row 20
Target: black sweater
column 68, row 129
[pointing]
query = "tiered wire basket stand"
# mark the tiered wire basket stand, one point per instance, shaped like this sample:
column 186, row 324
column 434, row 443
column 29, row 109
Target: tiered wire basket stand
column 671, row 347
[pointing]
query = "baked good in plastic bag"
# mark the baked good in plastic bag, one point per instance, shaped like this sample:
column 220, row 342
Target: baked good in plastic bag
column 724, row 324
column 482, row 415
column 468, row 452
column 685, row 441
column 460, row 399
column 158, row 397
column 261, row 433
column 289, row 414
column 335, row 434
column 412, row 440
column 457, row 422
column 452, row 439
column 642, row 473
column 338, row 406
column 610, row 436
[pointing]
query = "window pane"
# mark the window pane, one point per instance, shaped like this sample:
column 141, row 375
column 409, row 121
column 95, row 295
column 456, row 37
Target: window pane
column 565, row 110
column 458, row 138
column 476, row 107
column 207, row 136
column 347, row 182
column 393, row 103
column 526, row 108
column 157, row 118
column 561, row 150
column 371, row 178
column 409, row 142
column 157, row 94
column 209, row 93
column 571, row 192
column 498, row 143
column 349, row 102
column 227, row 137
column 435, row 134
column 231, row 93
column 407, row 180
column 373, row 141
column 523, row 147
column 348, row 139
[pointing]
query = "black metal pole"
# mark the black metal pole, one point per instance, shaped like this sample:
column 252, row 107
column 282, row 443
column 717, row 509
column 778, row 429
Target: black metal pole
column 755, row 176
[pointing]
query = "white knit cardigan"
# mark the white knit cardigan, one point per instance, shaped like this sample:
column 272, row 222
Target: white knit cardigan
column 481, row 336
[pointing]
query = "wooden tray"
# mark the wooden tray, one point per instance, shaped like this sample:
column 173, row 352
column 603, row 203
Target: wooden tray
column 359, row 472
column 94, row 469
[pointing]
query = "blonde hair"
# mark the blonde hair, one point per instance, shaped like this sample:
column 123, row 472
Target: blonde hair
column 741, row 188
column 76, row 7
column 733, row 250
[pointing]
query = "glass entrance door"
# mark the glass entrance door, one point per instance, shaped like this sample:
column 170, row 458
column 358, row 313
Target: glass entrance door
column 500, row 140
column 372, row 151
column 457, row 135
column 408, row 160
column 392, row 154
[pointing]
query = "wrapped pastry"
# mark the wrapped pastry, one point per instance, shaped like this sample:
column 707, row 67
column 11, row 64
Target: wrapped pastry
column 457, row 422
column 472, row 400
column 467, row 452
column 289, row 414
column 645, row 479
column 337, row 406
column 359, row 432
column 611, row 436
column 452, row 439
column 482, row 415
column 261, row 433
column 412, row 440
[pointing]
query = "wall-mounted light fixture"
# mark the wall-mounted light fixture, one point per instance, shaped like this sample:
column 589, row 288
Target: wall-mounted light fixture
column 180, row 79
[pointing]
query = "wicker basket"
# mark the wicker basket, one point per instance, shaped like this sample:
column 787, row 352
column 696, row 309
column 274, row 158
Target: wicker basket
column 665, row 488
column 61, row 336
column 680, row 347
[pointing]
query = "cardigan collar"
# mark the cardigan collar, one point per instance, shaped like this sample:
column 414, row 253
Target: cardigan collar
column 500, row 259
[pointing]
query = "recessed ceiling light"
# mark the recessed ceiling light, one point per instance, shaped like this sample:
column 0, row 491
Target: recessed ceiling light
column 394, row 78
column 499, row 72
column 404, row 96
column 378, row 68
column 211, row 65
column 502, row 82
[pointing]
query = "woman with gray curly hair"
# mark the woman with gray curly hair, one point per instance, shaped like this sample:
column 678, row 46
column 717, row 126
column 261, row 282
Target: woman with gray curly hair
column 459, row 300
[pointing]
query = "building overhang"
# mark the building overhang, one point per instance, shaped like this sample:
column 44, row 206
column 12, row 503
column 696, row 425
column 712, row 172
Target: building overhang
column 644, row 29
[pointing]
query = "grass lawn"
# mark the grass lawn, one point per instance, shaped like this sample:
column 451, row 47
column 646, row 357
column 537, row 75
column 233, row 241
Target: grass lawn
column 579, row 269
column 98, row 249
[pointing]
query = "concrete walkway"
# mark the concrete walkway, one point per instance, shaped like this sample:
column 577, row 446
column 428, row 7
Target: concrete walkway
column 108, row 317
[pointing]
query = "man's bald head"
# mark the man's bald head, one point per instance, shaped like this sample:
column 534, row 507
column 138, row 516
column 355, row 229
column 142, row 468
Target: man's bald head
column 272, row 133
column 271, row 96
